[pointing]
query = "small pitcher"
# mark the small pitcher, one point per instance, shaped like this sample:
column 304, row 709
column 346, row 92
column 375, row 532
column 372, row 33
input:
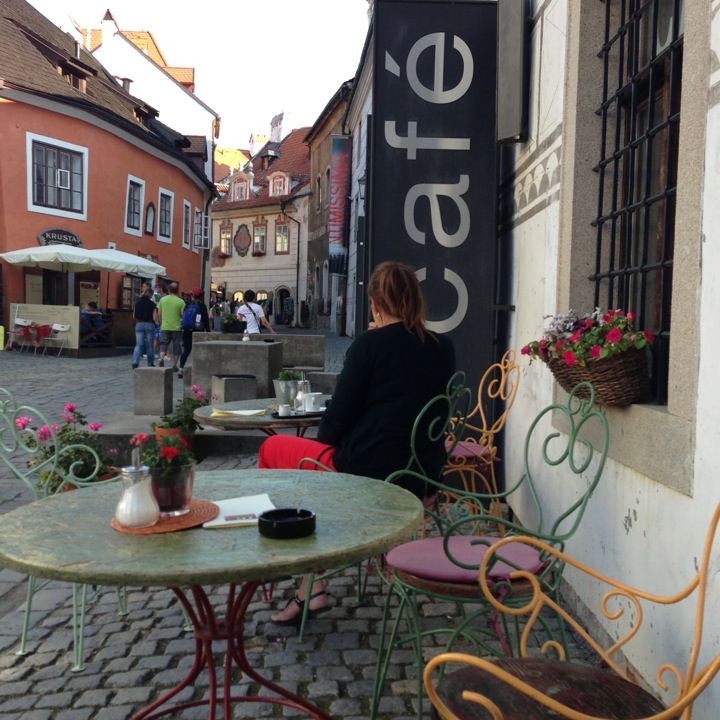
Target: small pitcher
column 138, row 507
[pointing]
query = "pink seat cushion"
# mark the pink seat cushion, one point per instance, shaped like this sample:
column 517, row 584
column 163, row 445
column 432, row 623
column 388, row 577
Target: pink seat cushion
column 427, row 559
column 467, row 450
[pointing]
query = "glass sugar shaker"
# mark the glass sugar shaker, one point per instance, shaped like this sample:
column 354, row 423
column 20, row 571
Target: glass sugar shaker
column 303, row 386
column 138, row 507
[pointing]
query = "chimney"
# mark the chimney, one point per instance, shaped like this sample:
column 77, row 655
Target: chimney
column 77, row 50
column 276, row 128
column 126, row 84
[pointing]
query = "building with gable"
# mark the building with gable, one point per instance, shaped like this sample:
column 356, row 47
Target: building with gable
column 87, row 163
column 259, row 229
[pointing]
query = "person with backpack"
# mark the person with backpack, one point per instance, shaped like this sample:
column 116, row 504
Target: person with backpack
column 253, row 315
column 195, row 319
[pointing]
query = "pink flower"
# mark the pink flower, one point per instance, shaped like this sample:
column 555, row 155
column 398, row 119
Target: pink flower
column 523, row 351
column 630, row 316
column 648, row 335
column 70, row 407
column 95, row 426
column 575, row 336
column 68, row 417
column 595, row 351
column 44, row 433
column 56, row 427
column 112, row 452
column 22, row 422
column 569, row 357
column 559, row 345
column 139, row 439
column 195, row 388
column 614, row 336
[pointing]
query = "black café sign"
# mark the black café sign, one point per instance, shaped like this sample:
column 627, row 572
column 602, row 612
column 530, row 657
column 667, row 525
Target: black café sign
column 58, row 236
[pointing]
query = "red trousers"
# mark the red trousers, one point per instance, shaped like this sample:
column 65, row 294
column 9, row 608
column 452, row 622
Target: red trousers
column 285, row 452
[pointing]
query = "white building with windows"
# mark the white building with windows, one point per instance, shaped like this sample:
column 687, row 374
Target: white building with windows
column 612, row 202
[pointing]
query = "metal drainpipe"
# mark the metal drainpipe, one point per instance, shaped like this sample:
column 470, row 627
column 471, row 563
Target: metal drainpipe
column 297, row 265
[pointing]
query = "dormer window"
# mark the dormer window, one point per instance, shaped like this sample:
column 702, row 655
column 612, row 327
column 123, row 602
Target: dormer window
column 279, row 185
column 240, row 190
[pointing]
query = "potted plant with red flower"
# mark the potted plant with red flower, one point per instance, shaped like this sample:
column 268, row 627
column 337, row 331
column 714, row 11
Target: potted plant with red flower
column 181, row 422
column 600, row 347
column 172, row 468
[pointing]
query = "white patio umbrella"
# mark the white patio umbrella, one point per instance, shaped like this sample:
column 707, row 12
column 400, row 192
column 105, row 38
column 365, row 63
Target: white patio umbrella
column 76, row 259
column 51, row 257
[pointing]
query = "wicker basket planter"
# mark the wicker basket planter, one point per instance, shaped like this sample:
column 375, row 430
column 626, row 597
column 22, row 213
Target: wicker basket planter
column 619, row 380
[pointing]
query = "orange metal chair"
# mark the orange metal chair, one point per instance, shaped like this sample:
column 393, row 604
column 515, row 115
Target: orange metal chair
column 538, row 688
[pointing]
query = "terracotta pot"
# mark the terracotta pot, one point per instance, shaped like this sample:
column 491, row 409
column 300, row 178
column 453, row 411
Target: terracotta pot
column 185, row 438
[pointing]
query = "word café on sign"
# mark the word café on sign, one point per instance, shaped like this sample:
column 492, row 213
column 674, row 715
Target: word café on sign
column 433, row 196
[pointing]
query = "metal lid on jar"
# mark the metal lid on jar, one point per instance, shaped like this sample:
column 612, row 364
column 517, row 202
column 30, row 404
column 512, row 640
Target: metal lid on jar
column 134, row 471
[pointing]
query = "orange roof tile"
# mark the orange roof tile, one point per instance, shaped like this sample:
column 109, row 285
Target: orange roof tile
column 184, row 75
column 143, row 40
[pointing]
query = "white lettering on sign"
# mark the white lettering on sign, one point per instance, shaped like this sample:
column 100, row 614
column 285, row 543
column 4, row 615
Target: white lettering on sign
column 449, row 323
column 413, row 143
column 436, row 94
column 432, row 191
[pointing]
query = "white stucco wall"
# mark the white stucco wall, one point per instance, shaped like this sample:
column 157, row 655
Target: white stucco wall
column 635, row 528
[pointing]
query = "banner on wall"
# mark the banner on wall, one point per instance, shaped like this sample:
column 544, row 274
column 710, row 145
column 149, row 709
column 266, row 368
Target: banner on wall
column 339, row 191
column 433, row 190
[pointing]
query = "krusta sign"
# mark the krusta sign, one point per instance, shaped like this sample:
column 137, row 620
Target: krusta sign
column 433, row 158
column 57, row 236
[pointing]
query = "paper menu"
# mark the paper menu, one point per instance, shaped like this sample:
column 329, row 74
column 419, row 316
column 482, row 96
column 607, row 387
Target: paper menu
column 239, row 511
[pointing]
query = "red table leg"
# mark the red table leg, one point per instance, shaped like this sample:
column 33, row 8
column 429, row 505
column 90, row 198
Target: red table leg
column 207, row 627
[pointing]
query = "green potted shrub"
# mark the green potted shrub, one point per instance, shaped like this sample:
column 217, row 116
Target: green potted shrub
column 181, row 422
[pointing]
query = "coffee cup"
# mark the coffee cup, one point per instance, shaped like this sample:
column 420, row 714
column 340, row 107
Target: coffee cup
column 312, row 401
column 284, row 410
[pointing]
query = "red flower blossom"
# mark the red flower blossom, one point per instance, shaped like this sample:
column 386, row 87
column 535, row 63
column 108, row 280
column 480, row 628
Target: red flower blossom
column 589, row 323
column 575, row 336
column 595, row 351
column 559, row 345
column 615, row 335
column 169, row 453
column 139, row 439
column 648, row 335
column 630, row 316
column 569, row 357
column 525, row 350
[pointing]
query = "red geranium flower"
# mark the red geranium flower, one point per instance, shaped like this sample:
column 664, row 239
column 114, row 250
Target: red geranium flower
column 614, row 335
column 569, row 357
column 595, row 352
column 169, row 453
column 525, row 350
column 559, row 344
column 648, row 335
column 575, row 336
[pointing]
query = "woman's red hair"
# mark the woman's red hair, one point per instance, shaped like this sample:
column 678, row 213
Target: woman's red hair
column 395, row 290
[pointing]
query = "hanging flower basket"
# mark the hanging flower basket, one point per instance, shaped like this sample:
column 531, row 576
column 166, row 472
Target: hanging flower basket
column 600, row 348
column 619, row 380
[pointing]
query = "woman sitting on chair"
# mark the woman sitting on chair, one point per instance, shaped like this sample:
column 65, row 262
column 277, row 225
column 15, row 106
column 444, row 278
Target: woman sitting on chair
column 390, row 372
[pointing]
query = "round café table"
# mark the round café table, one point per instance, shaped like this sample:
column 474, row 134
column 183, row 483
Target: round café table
column 219, row 416
column 68, row 537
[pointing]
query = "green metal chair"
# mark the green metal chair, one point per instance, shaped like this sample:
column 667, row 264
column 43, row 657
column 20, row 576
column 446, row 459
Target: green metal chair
column 435, row 421
column 445, row 567
column 46, row 468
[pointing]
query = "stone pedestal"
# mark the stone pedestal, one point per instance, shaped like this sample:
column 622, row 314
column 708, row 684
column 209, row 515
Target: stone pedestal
column 153, row 390
column 187, row 381
column 261, row 359
column 229, row 388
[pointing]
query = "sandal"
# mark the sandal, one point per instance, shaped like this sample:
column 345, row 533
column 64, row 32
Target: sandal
column 299, row 604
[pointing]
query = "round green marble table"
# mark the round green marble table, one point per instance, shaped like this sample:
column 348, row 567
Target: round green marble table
column 68, row 537
column 265, row 422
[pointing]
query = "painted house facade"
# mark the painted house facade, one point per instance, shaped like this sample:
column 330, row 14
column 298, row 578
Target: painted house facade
column 259, row 230
column 87, row 163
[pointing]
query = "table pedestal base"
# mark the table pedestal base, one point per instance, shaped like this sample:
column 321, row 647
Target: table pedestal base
column 206, row 628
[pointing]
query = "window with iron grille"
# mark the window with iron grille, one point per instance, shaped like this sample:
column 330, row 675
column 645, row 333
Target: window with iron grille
column 57, row 177
column 642, row 57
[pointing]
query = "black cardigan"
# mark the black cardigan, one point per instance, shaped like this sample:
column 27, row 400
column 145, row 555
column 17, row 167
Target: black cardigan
column 388, row 376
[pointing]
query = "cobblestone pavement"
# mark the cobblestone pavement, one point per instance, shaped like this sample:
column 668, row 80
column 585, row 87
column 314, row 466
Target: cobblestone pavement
column 129, row 659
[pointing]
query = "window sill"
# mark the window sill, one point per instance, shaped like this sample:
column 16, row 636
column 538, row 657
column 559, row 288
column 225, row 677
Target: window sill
column 634, row 434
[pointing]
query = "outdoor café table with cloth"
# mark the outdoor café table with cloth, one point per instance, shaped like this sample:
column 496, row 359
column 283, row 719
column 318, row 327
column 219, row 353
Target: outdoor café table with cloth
column 68, row 537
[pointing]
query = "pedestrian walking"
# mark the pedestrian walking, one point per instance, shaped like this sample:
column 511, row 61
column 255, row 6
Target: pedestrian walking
column 253, row 315
column 195, row 319
column 170, row 309
column 146, row 316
